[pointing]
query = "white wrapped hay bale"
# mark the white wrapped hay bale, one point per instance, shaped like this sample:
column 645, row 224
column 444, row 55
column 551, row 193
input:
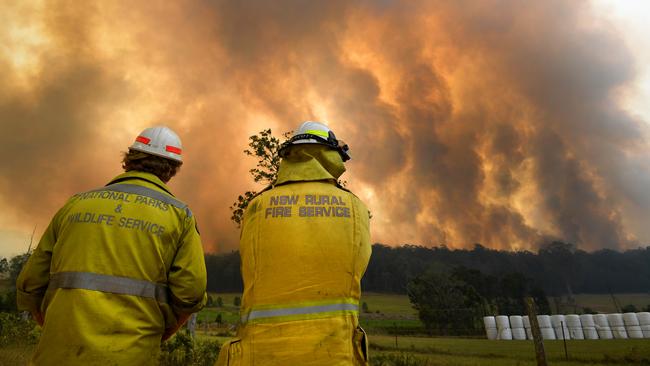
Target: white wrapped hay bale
column 560, row 327
column 644, row 323
column 588, row 326
column 575, row 327
column 503, row 327
column 517, row 327
column 632, row 326
column 490, row 327
column 617, row 325
column 602, row 327
column 546, row 327
column 529, row 330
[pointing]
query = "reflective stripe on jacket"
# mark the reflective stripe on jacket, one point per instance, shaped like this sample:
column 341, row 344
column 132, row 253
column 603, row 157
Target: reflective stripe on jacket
column 304, row 247
column 111, row 271
column 300, row 311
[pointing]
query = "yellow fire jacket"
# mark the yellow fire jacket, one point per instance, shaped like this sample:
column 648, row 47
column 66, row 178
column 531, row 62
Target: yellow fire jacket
column 305, row 245
column 111, row 271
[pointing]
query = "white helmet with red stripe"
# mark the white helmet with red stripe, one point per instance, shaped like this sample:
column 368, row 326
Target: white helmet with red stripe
column 159, row 141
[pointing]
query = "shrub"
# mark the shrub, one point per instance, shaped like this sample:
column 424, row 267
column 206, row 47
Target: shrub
column 629, row 309
column 588, row 310
column 8, row 301
column 182, row 350
column 14, row 329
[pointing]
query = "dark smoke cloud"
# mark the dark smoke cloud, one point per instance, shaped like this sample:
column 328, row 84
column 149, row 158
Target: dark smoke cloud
column 494, row 122
column 51, row 137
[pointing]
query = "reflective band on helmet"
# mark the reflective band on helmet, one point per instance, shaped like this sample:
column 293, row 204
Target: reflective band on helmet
column 110, row 284
column 301, row 312
column 148, row 192
column 142, row 139
column 173, row 149
column 320, row 133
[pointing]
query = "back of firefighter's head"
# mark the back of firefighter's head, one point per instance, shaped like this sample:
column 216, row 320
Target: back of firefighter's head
column 156, row 150
column 318, row 133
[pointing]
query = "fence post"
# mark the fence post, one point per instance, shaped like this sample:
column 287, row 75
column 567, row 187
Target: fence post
column 537, row 334
column 395, row 330
column 566, row 352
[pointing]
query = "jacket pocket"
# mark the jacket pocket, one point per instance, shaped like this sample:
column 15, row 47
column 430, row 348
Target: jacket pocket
column 230, row 353
column 360, row 346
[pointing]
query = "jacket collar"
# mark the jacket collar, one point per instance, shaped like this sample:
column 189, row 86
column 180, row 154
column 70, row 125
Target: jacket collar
column 310, row 162
column 137, row 175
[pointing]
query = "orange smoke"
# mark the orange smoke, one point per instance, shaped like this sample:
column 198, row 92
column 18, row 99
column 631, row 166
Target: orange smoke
column 470, row 122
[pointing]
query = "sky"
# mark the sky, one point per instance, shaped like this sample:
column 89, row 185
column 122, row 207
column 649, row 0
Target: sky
column 499, row 122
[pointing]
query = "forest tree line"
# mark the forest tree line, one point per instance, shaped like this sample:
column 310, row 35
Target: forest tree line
column 558, row 268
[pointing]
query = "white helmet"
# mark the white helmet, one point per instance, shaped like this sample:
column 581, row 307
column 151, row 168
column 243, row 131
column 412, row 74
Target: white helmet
column 160, row 141
column 311, row 132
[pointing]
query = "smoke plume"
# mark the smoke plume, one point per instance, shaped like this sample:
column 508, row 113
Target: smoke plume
column 494, row 122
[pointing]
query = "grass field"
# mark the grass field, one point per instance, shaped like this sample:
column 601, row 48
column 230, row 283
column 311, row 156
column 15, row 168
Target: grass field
column 463, row 352
column 387, row 312
column 479, row 352
column 389, row 304
column 15, row 354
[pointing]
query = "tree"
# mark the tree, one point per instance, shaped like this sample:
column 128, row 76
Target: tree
column 13, row 267
column 364, row 307
column 4, row 265
column 445, row 304
column 224, row 272
column 264, row 146
column 236, row 301
column 16, row 265
column 559, row 258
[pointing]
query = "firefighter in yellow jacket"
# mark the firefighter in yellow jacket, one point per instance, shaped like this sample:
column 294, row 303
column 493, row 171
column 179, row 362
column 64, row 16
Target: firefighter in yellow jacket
column 119, row 268
column 304, row 246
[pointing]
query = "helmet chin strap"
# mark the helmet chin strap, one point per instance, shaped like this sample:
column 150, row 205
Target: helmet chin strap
column 343, row 149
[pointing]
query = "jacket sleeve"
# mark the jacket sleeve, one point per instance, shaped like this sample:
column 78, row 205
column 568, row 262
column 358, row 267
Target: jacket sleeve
column 187, row 277
column 35, row 275
column 364, row 250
